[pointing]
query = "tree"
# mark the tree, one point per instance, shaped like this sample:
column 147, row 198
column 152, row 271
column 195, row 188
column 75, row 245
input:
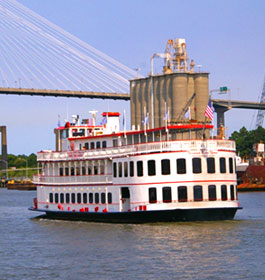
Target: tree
column 245, row 139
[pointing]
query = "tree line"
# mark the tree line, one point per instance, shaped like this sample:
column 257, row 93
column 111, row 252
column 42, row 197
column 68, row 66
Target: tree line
column 245, row 139
column 22, row 161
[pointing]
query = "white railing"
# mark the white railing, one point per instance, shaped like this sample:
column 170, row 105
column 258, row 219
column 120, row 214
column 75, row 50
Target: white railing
column 90, row 179
column 192, row 146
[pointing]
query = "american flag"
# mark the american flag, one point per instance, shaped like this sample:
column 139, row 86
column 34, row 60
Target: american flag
column 209, row 110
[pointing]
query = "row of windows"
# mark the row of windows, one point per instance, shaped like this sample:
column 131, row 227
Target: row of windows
column 80, row 198
column 197, row 193
column 95, row 145
column 71, row 171
column 181, row 167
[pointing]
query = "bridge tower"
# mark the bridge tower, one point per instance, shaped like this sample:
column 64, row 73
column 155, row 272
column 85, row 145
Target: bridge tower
column 3, row 160
column 260, row 116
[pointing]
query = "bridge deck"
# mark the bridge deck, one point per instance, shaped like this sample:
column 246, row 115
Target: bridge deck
column 217, row 103
column 64, row 93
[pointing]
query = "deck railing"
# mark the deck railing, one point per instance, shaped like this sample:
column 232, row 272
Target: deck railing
column 85, row 179
column 192, row 146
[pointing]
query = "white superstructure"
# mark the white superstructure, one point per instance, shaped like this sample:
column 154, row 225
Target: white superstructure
column 100, row 169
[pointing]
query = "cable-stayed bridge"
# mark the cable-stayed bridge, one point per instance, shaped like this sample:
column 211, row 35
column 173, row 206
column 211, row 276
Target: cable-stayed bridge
column 38, row 58
column 36, row 54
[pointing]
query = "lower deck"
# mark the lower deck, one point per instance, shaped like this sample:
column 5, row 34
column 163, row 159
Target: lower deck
column 151, row 197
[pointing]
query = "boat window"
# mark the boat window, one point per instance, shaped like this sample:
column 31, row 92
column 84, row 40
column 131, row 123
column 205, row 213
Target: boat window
column 91, row 198
column 56, row 198
column 102, row 169
column 82, row 132
column 139, row 168
column 95, row 170
column 115, row 169
column 182, row 194
column 61, row 171
column 98, row 144
column 196, row 165
column 92, row 145
column 104, row 144
column 120, row 169
column 103, row 198
column 51, row 197
column 115, row 142
column 77, row 171
column 181, row 166
column 211, row 165
column 125, row 192
column 231, row 167
column 131, row 168
column 232, row 192
column 67, row 198
column 126, row 169
column 62, row 134
column 79, row 198
column 165, row 166
column 83, row 170
column 212, row 192
column 224, row 192
column 66, row 171
column 61, row 197
column 167, row 194
column 74, row 132
column 222, row 165
column 136, row 138
column 89, row 171
column 109, row 198
column 73, row 197
column 151, row 168
column 152, row 195
column 150, row 137
column 84, row 197
column 197, row 193
column 96, row 197
column 86, row 146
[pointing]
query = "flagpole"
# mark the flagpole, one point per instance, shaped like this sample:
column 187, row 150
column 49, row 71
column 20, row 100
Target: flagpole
column 144, row 120
column 152, row 94
column 203, row 132
column 124, row 124
column 166, row 116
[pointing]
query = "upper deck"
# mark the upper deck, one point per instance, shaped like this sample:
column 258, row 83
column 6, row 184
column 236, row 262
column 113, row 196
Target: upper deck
column 206, row 147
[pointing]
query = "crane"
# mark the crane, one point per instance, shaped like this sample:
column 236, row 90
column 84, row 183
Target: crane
column 186, row 107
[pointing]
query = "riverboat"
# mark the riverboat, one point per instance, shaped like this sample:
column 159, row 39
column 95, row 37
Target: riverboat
column 170, row 169
column 102, row 174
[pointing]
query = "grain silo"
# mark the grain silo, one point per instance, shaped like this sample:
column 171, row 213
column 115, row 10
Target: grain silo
column 169, row 94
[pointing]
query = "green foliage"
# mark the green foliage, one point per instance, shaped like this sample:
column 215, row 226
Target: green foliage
column 245, row 139
column 22, row 161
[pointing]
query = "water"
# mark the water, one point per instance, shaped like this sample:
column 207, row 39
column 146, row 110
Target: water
column 33, row 248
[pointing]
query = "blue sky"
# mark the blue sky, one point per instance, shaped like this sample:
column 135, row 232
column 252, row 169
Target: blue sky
column 225, row 37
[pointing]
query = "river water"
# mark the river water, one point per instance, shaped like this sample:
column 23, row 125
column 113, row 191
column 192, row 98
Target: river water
column 34, row 248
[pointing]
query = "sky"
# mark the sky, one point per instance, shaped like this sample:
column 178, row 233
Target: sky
column 225, row 37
